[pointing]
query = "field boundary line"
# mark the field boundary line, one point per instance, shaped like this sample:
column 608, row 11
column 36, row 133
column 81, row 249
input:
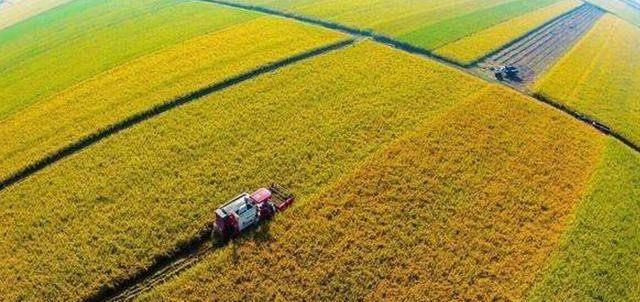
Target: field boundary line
column 382, row 39
column 378, row 37
column 158, row 109
column 524, row 36
column 587, row 120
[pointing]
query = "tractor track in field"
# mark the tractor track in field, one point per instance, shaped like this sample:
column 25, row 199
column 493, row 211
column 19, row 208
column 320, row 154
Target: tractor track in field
column 156, row 110
column 163, row 268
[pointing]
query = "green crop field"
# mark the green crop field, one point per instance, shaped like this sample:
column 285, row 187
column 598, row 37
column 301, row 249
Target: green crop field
column 429, row 24
column 422, row 170
column 45, row 55
column 132, row 87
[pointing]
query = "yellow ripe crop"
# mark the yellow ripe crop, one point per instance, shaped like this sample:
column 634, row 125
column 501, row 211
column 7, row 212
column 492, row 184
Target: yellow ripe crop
column 150, row 80
column 16, row 11
column 599, row 252
column 473, row 47
column 600, row 76
column 106, row 212
column 467, row 207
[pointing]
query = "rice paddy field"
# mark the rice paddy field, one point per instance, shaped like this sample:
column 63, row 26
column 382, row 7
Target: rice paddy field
column 51, row 52
column 450, row 28
column 400, row 227
column 45, row 127
column 600, row 76
column 126, row 124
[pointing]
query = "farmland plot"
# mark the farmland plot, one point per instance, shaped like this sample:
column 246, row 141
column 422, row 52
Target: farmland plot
column 600, row 77
column 104, row 213
column 62, row 47
column 598, row 258
column 471, row 48
column 150, row 80
column 428, row 24
column 465, row 208
column 19, row 10
column 536, row 52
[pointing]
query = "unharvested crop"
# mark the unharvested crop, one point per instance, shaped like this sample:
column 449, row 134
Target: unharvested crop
column 466, row 207
column 429, row 24
column 104, row 213
column 47, row 54
column 19, row 10
column 599, row 258
column 130, row 88
column 600, row 76
column 439, row 34
column 475, row 46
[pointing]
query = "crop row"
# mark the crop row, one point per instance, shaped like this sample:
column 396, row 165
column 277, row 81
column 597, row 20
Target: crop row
column 600, row 77
column 153, row 79
column 106, row 212
column 45, row 55
column 467, row 207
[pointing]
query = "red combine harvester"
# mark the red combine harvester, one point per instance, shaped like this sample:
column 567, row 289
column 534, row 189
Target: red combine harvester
column 245, row 210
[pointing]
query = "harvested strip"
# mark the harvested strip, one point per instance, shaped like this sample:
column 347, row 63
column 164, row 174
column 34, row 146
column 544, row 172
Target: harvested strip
column 536, row 52
column 148, row 81
column 60, row 48
column 105, row 213
column 466, row 208
column 473, row 47
column 18, row 10
column 600, row 77
column 599, row 257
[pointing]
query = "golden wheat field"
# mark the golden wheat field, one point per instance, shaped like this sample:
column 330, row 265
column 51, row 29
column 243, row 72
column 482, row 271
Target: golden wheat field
column 319, row 150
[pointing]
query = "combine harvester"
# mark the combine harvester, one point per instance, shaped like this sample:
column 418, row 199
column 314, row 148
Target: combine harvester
column 232, row 219
column 244, row 211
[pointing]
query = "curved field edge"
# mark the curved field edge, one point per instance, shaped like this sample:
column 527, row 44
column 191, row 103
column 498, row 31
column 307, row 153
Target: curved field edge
column 45, row 55
column 21, row 11
column 478, row 45
column 466, row 207
column 103, row 213
column 88, row 109
column 600, row 77
column 598, row 259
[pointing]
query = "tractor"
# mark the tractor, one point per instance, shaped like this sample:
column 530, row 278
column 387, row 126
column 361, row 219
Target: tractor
column 246, row 210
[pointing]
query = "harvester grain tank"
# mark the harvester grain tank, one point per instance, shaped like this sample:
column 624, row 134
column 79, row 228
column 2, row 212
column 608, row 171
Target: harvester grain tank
column 246, row 210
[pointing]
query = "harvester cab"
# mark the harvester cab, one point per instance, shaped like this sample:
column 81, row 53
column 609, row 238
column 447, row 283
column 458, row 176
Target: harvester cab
column 505, row 72
column 244, row 210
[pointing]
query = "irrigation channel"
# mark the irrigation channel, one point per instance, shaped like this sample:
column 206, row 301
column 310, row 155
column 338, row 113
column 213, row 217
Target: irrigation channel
column 536, row 50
